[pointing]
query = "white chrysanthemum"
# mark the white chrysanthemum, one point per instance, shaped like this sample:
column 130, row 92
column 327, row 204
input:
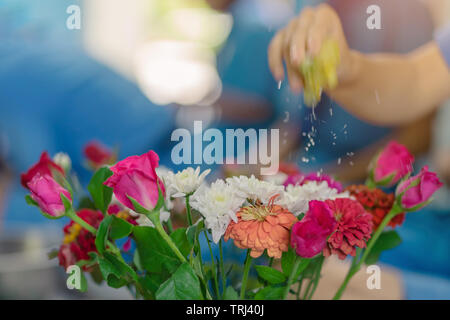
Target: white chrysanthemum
column 183, row 183
column 254, row 189
column 218, row 205
column 279, row 178
column 296, row 198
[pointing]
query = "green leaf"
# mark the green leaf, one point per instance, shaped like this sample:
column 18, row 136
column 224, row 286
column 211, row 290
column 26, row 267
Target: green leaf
column 119, row 228
column 302, row 267
column 155, row 254
column 100, row 193
column 121, row 265
column 66, row 202
column 30, row 201
column 183, row 285
column 116, row 283
column 311, row 265
column 83, row 282
column 161, row 200
column 270, row 293
column 102, row 233
column 230, row 294
column 137, row 261
column 271, row 275
column 114, row 270
column 137, row 206
column 387, row 240
column 86, row 203
column 180, row 238
column 287, row 261
column 193, row 233
column 152, row 282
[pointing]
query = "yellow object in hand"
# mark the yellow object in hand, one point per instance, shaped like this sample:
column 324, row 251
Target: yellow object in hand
column 320, row 72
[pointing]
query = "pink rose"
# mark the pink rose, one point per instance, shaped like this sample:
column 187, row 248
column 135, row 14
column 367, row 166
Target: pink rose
column 135, row 177
column 309, row 236
column 47, row 194
column 419, row 188
column 393, row 163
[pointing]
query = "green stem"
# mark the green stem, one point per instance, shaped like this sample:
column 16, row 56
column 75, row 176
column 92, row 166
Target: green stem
column 316, row 278
column 308, row 288
column 299, row 288
column 72, row 215
column 169, row 226
column 291, row 277
column 248, row 263
column 222, row 268
column 188, row 210
column 271, row 262
column 355, row 267
column 216, row 283
column 165, row 236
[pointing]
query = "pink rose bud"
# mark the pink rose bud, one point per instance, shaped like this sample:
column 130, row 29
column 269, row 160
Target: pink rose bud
column 418, row 189
column 393, row 163
column 47, row 194
column 309, row 236
column 135, row 177
column 45, row 166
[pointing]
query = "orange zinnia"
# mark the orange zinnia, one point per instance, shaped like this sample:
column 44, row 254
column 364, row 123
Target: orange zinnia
column 261, row 227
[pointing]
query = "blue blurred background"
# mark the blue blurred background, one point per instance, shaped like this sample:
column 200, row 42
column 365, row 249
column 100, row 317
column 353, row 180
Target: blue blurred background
column 135, row 71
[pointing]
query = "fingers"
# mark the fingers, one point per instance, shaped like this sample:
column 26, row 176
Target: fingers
column 297, row 39
column 317, row 32
column 293, row 72
column 276, row 56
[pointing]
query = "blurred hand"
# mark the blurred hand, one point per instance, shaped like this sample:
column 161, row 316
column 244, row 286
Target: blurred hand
column 304, row 37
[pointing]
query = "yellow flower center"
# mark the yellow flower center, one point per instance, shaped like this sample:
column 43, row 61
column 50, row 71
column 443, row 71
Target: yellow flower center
column 74, row 231
column 256, row 212
column 123, row 215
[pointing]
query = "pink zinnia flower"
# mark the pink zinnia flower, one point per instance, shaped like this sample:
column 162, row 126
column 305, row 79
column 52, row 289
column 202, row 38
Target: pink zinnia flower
column 354, row 227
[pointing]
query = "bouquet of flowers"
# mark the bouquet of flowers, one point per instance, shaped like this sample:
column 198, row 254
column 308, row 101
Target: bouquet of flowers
column 122, row 232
